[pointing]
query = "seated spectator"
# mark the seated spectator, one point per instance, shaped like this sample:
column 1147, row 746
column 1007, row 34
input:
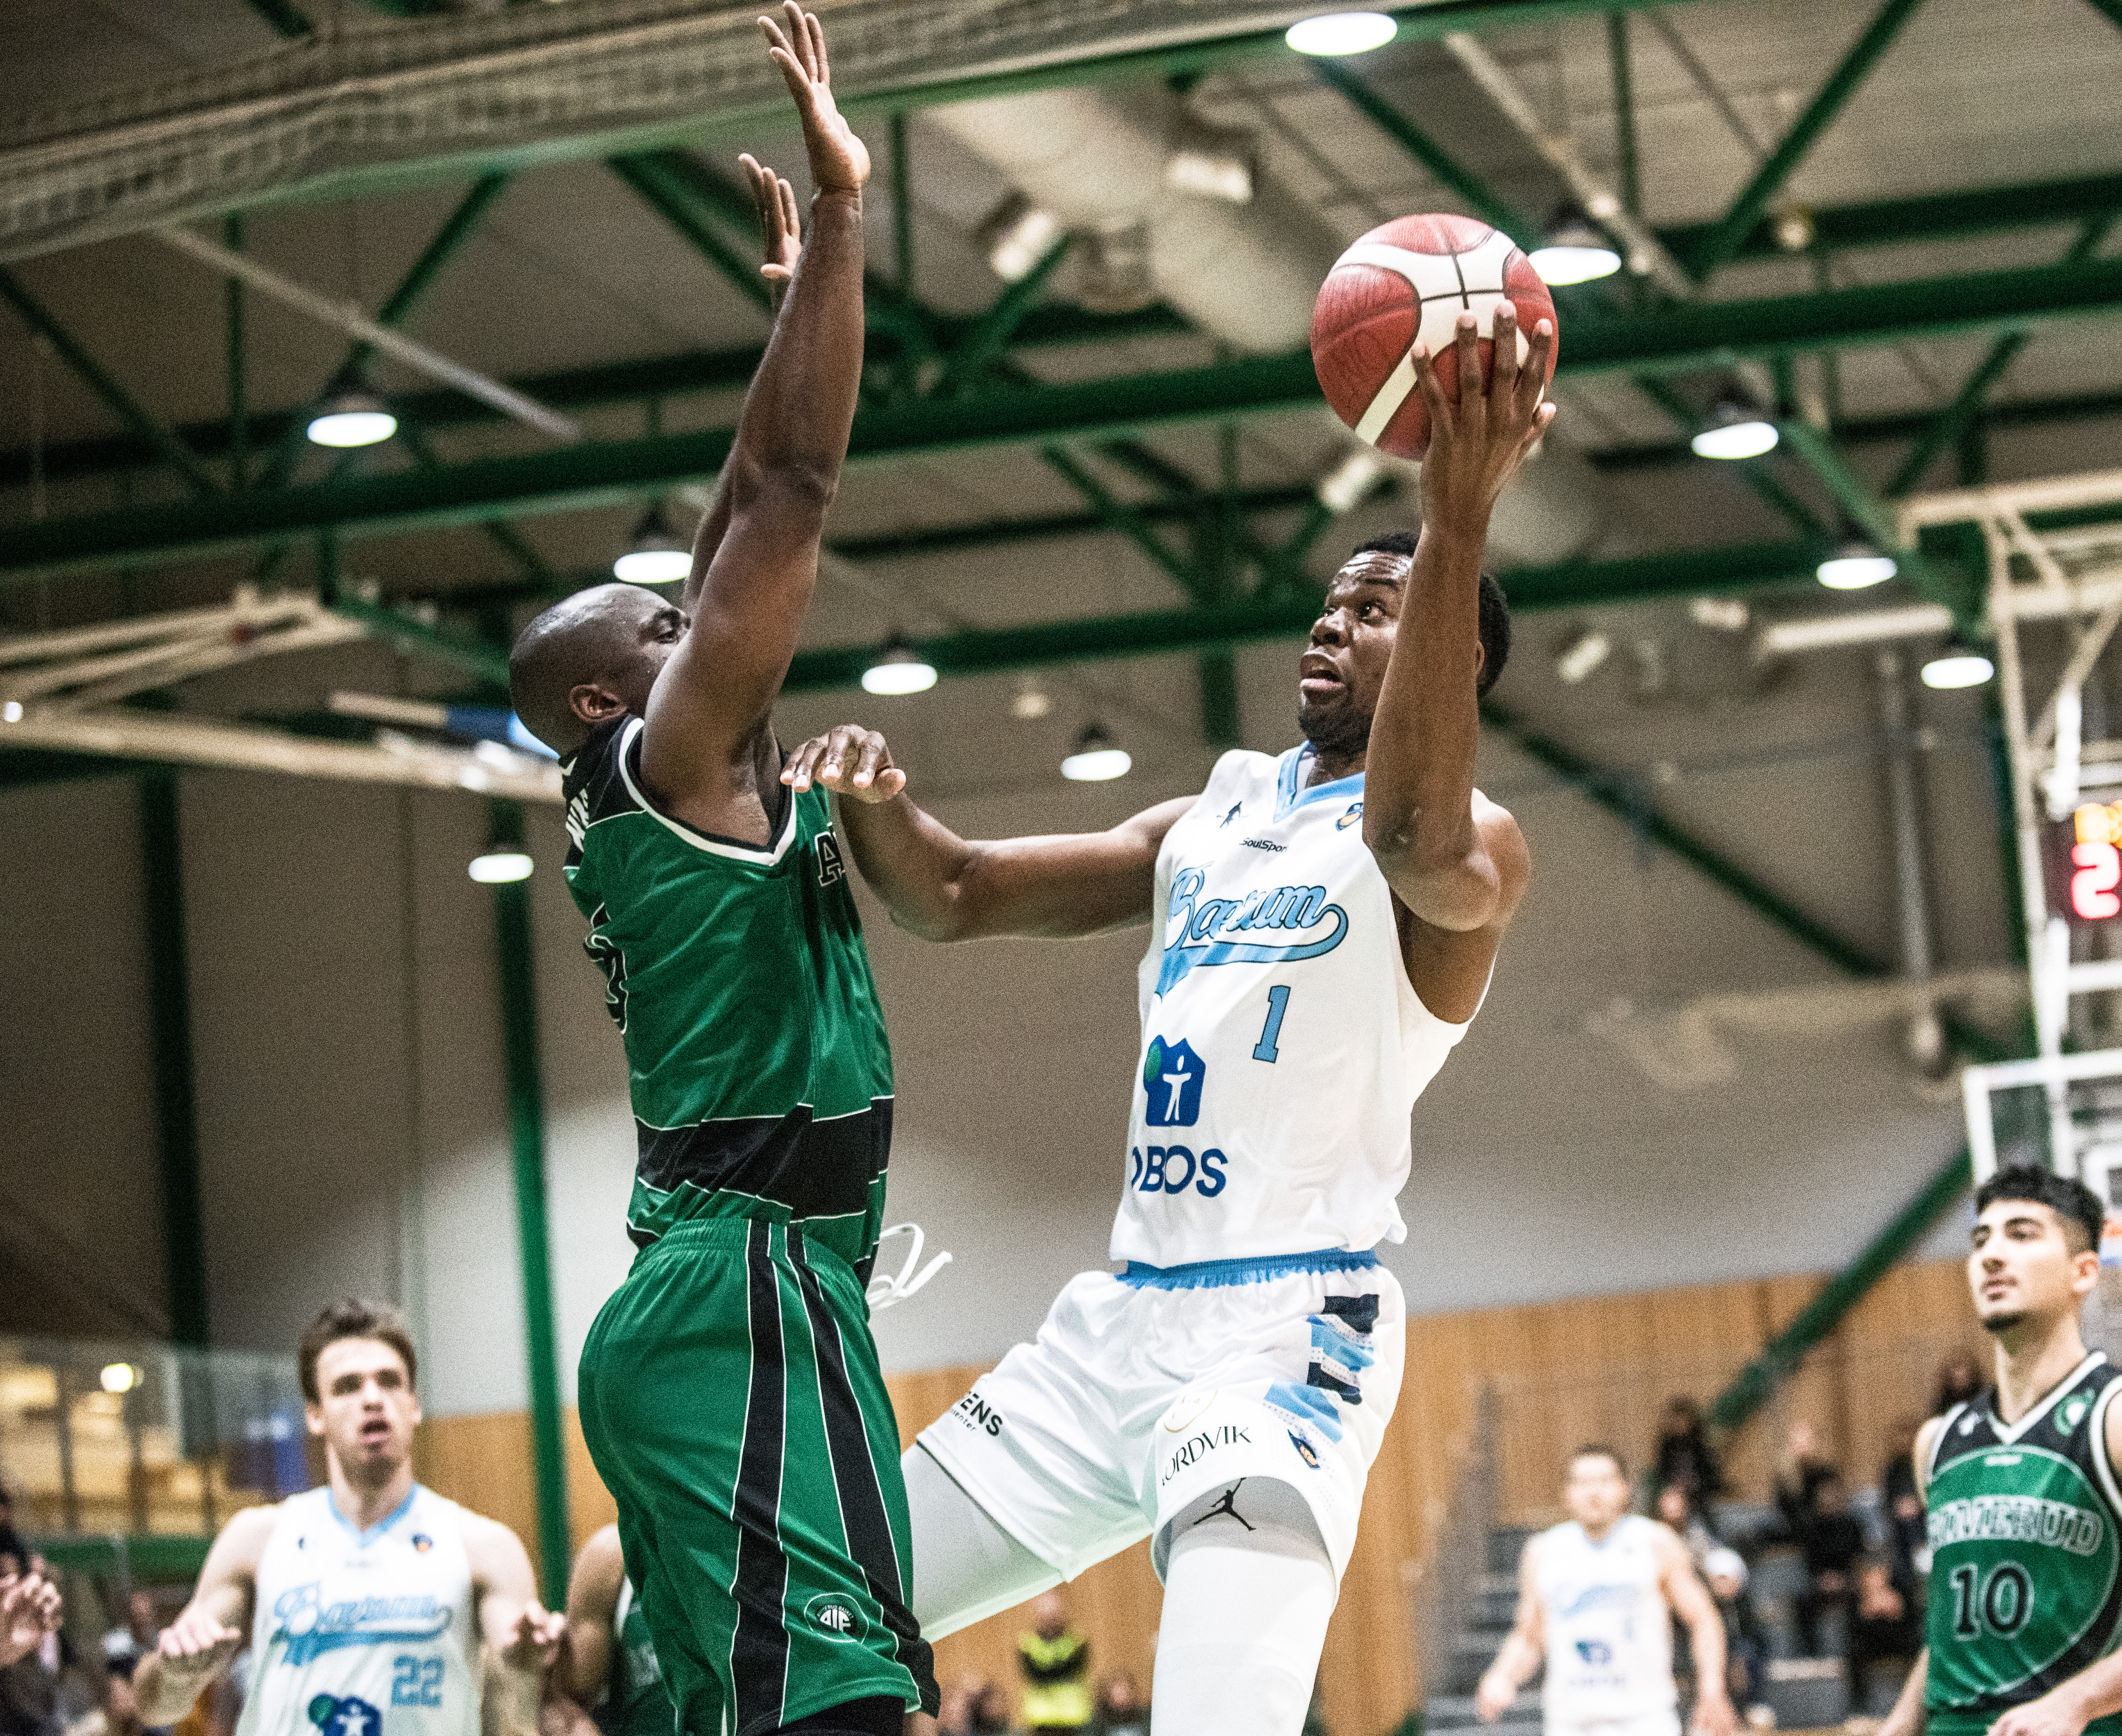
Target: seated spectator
column 1676, row 1506
column 1901, row 1511
column 1798, row 1476
column 1056, row 1662
column 1122, row 1711
column 1832, row 1540
column 1883, row 1627
column 990, row 1711
column 1959, row 1379
column 1683, row 1454
column 1746, row 1644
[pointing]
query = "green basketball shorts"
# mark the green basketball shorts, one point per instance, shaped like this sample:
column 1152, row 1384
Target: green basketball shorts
column 733, row 1402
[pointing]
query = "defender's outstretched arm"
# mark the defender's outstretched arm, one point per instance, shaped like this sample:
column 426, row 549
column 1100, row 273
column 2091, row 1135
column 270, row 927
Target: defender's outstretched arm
column 717, row 689
column 1451, row 869
column 942, row 887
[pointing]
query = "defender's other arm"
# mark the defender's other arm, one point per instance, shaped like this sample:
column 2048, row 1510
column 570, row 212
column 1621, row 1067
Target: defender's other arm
column 718, row 687
column 1697, row 1610
column 1521, row 1652
column 942, row 887
column 584, row 1664
column 195, row 1648
column 522, row 1638
column 1450, row 871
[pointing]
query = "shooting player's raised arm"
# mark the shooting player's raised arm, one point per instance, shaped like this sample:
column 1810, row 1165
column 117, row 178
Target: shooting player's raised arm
column 717, row 692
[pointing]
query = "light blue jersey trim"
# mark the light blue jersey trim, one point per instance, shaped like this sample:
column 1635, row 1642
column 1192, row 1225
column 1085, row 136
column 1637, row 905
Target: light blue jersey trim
column 1290, row 792
column 1209, row 1274
column 361, row 1538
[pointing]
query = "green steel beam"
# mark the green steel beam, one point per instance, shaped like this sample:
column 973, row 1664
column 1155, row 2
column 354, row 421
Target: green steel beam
column 236, row 346
column 991, row 331
column 2110, row 10
column 487, row 661
column 1468, row 187
column 282, row 16
column 1723, row 241
column 1875, row 520
column 526, row 1124
column 1926, row 216
column 1663, row 339
column 1627, row 152
column 1759, row 1379
column 160, row 1557
column 1118, row 515
column 176, row 1100
column 645, row 173
column 146, row 426
column 989, row 533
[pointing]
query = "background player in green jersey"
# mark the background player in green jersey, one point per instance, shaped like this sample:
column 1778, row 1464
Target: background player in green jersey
column 607, row 1667
column 730, row 1392
column 2019, row 1482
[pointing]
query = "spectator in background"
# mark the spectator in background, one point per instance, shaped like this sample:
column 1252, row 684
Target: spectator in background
column 1901, row 1512
column 1683, row 1455
column 1959, row 1379
column 954, row 1716
column 29, row 1607
column 1883, row 1627
column 1832, row 1540
column 1746, row 1644
column 1122, row 1711
column 1799, row 1477
column 990, row 1711
column 1056, row 1662
column 1676, row 1506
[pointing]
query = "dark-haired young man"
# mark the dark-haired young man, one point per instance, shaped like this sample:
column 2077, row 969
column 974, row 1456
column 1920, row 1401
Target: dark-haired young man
column 367, row 1601
column 730, row 1390
column 2025, row 1573
column 1324, row 925
column 1598, row 1596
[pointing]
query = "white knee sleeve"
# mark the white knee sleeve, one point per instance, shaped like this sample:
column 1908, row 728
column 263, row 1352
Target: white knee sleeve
column 1248, row 1589
column 965, row 1566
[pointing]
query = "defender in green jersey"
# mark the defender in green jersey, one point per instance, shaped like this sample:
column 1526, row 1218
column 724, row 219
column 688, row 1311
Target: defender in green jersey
column 607, row 1667
column 730, row 1393
column 2025, row 1579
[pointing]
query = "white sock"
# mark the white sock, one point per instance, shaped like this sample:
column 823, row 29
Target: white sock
column 965, row 1566
column 1245, row 1615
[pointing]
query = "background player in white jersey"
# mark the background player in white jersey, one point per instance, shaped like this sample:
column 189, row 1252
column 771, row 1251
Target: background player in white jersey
column 1598, row 1595
column 1324, row 929
column 367, row 1599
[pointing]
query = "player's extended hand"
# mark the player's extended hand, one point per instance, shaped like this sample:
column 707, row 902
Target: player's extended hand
column 2059, row 1712
column 197, row 1644
column 1478, row 439
column 839, row 162
column 849, row 760
column 29, row 1610
column 1495, row 1696
column 780, row 227
column 1714, row 1716
column 532, row 1640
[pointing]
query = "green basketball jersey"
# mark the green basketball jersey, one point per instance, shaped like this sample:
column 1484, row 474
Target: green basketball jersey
column 761, row 1079
column 2025, row 1589
column 635, row 1703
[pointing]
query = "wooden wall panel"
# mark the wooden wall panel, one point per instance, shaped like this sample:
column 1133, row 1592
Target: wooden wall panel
column 1597, row 1368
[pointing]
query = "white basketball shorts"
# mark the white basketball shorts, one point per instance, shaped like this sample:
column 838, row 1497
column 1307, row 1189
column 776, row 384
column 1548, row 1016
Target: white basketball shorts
column 1148, row 1389
column 1663, row 1722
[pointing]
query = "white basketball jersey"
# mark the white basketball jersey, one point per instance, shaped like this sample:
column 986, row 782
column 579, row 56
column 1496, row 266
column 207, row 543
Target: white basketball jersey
column 363, row 1633
column 1283, row 1046
column 1609, row 1631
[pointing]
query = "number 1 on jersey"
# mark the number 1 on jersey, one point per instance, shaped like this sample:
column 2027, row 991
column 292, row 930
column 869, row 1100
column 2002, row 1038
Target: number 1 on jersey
column 1268, row 1047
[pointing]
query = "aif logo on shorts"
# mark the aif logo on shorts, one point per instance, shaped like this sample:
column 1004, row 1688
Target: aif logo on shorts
column 835, row 1616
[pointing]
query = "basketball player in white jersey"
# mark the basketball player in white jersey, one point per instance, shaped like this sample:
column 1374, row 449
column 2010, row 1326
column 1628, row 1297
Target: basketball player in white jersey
column 1598, row 1595
column 367, row 1600
column 1323, row 929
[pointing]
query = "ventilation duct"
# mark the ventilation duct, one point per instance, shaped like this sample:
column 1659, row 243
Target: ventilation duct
column 1244, row 273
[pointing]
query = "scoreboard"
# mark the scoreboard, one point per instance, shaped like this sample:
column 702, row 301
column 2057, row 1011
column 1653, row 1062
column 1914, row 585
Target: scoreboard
column 2085, row 863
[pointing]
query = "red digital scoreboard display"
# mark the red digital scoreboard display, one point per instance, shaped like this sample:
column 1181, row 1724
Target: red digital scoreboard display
column 2085, row 863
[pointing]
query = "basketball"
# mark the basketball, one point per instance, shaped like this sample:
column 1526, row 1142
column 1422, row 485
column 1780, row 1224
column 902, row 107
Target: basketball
column 1409, row 279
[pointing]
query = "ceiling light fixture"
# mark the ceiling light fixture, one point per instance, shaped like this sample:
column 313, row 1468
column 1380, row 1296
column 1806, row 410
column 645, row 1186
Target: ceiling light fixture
column 1735, row 431
column 350, row 418
column 1855, row 566
column 899, row 669
column 498, row 864
column 1030, row 703
column 1217, row 162
column 1582, row 653
column 1343, row 486
column 1957, row 664
column 1575, row 251
column 1017, row 235
column 119, row 1377
column 1341, row 32
column 656, row 554
column 1096, row 759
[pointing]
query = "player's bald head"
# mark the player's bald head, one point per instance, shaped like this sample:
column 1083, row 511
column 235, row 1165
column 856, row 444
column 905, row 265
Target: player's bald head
column 594, row 638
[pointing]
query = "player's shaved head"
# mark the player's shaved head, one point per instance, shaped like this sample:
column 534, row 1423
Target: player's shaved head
column 599, row 638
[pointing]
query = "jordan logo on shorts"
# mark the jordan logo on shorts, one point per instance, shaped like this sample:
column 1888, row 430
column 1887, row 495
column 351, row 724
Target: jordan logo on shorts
column 1226, row 1504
